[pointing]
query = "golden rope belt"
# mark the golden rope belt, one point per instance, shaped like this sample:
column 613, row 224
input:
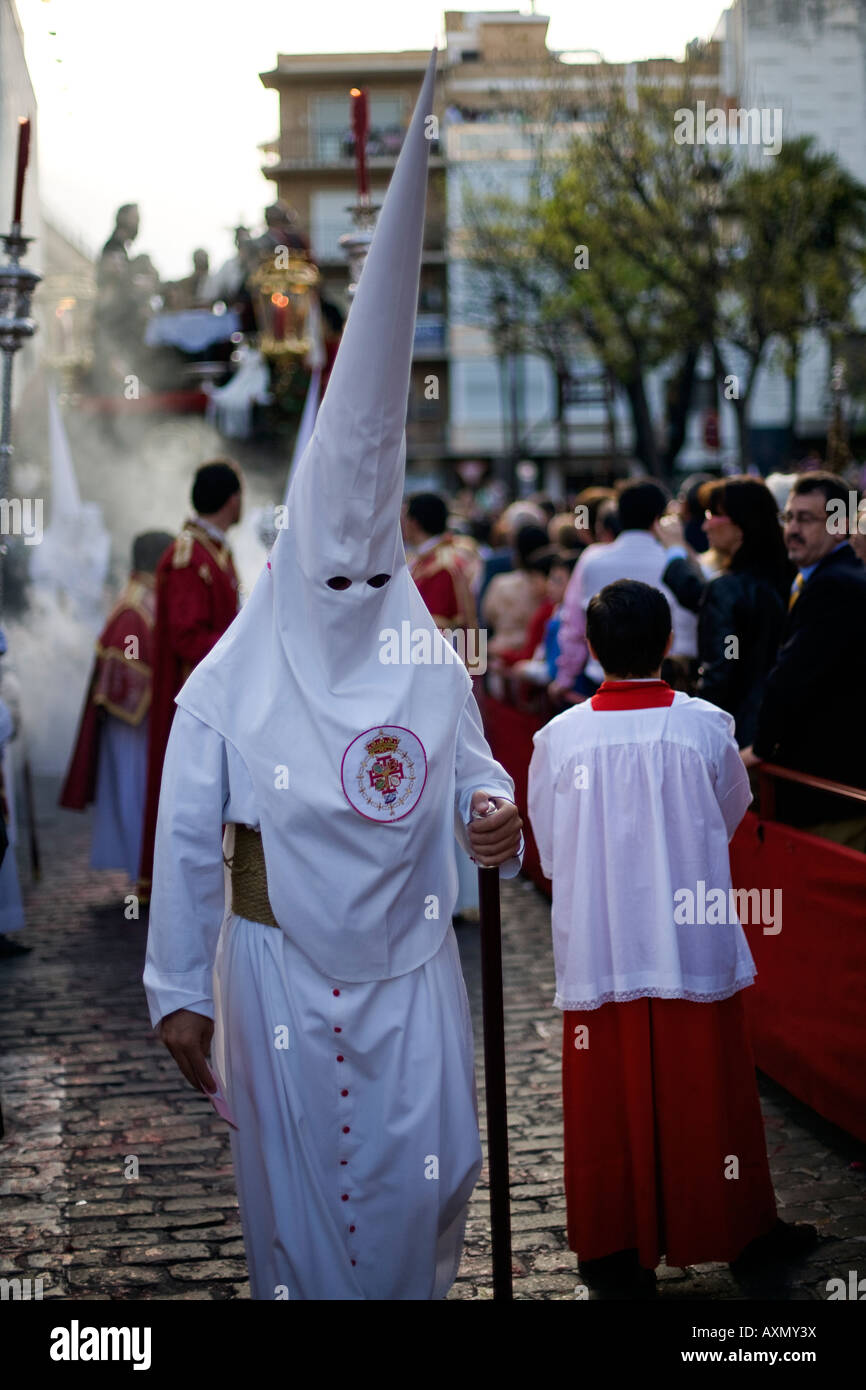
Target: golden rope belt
column 249, row 880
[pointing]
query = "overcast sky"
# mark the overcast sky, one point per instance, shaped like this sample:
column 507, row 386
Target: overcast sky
column 160, row 102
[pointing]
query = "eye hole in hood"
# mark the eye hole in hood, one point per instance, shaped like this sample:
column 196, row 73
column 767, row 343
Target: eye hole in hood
column 339, row 582
column 378, row 580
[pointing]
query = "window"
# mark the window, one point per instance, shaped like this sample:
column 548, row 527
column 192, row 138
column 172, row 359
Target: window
column 332, row 126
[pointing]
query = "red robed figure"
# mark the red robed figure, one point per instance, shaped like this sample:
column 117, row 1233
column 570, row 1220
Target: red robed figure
column 196, row 600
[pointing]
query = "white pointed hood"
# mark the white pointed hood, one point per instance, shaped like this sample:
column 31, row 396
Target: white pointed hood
column 346, row 493
column 305, row 681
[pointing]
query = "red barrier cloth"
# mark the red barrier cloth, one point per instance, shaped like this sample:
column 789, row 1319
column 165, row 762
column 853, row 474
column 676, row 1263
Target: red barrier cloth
column 806, row 1009
column 509, row 732
column 656, row 1106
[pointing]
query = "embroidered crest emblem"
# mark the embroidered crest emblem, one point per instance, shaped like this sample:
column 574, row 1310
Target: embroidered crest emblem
column 383, row 773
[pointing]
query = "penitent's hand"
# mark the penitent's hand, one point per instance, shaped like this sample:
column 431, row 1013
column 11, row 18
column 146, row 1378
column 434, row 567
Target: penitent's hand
column 494, row 838
column 187, row 1037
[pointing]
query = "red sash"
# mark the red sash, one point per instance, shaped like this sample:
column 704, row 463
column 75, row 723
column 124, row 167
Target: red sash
column 632, row 695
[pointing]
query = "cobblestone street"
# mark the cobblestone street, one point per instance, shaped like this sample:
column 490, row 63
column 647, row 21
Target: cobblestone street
column 86, row 1089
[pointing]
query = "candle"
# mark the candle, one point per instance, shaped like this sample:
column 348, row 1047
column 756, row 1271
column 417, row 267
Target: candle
column 278, row 321
column 21, row 169
column 359, row 127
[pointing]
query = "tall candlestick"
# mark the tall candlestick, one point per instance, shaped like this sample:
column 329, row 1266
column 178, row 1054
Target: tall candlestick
column 21, row 168
column 360, row 126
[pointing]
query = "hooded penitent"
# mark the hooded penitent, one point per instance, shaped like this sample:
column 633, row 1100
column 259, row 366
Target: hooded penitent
column 351, row 757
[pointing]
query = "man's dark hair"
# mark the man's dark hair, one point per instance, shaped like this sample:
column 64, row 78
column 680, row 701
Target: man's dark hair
column 628, row 624
column 429, row 511
column 213, row 485
column 607, row 519
column 592, row 498
column 545, row 503
column 528, row 540
column 640, row 503
column 834, row 488
column 542, row 561
column 147, row 550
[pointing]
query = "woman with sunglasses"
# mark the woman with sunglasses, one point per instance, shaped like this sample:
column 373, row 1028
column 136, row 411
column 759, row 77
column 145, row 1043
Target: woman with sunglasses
column 741, row 610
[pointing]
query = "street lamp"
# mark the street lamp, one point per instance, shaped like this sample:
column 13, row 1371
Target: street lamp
column 17, row 284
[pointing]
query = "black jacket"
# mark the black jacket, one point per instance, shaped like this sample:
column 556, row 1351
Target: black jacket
column 813, row 712
column 740, row 605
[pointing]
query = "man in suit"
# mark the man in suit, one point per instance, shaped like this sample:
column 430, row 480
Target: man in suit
column 811, row 714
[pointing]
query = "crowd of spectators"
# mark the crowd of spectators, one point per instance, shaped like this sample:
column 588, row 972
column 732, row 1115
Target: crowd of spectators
column 766, row 583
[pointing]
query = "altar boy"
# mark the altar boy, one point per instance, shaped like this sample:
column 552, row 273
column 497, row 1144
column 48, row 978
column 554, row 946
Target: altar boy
column 633, row 797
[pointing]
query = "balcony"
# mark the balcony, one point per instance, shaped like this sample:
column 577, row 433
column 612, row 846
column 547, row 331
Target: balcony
column 334, row 148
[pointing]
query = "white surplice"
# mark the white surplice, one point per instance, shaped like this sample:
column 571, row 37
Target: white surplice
column 379, row 1176
column 631, row 811
column 118, row 810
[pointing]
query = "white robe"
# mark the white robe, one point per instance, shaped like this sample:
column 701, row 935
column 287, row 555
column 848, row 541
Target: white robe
column 380, row 1176
column 121, row 782
column 632, row 811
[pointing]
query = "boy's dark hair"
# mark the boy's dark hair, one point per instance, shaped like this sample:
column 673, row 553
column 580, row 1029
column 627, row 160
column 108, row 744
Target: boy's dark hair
column 628, row 624
column 429, row 511
column 639, row 504
column 213, row 485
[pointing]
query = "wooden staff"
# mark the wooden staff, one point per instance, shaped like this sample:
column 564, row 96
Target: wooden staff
column 33, row 836
column 494, row 1080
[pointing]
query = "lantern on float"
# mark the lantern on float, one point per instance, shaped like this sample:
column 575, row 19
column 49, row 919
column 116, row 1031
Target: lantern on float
column 285, row 302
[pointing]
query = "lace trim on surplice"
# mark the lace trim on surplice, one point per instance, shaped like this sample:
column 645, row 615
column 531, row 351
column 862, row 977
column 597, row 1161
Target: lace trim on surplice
column 616, row 996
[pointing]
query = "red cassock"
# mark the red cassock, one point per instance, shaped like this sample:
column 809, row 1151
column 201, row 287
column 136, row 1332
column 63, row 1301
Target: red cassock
column 664, row 1139
column 196, row 600
column 120, row 684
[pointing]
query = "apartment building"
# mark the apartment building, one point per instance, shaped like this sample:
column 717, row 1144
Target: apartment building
column 501, row 92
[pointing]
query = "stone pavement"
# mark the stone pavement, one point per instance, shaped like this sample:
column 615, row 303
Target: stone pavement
column 116, row 1180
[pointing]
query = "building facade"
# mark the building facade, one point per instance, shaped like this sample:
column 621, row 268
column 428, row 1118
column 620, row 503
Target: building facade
column 313, row 166
column 807, row 60
column 502, row 93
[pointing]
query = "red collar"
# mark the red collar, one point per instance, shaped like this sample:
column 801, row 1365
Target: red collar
column 632, row 695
